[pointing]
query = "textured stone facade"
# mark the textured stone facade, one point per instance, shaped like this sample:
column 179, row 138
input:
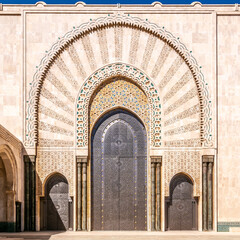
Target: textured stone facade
column 174, row 67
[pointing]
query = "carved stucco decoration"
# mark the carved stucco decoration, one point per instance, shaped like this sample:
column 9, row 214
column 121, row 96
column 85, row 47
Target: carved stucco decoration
column 111, row 71
column 187, row 162
column 119, row 92
column 100, row 23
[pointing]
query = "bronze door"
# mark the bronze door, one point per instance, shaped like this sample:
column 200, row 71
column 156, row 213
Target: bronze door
column 57, row 203
column 181, row 207
column 119, row 151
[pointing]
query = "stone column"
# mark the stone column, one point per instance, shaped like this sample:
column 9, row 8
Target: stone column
column 158, row 205
column 204, row 190
column 81, row 193
column 156, row 192
column 210, row 197
column 207, row 192
column 153, row 207
column 84, row 212
column 30, row 191
column 79, row 196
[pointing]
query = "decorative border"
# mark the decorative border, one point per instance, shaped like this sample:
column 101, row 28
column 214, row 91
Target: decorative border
column 116, row 20
column 111, row 71
column 224, row 226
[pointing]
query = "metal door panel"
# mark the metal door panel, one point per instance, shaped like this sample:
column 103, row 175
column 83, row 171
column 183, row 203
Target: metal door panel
column 57, row 204
column 182, row 206
column 119, row 151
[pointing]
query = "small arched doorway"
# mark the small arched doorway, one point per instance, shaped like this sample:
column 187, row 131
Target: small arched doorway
column 119, row 173
column 56, row 204
column 7, row 191
column 181, row 206
column 3, row 199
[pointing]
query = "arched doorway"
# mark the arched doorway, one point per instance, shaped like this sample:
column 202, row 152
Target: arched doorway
column 119, row 173
column 8, row 176
column 3, row 199
column 181, row 206
column 56, row 205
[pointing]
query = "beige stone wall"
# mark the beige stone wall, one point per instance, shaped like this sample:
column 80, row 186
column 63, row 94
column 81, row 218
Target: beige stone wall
column 228, row 118
column 11, row 92
column 28, row 33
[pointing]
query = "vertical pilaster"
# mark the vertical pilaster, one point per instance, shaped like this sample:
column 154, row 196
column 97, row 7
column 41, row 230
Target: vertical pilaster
column 153, row 172
column 27, row 194
column 84, row 212
column 33, row 194
column 79, row 196
column 210, row 197
column 204, row 189
column 30, row 192
column 158, row 205
column 156, row 192
column 81, row 193
column 207, row 193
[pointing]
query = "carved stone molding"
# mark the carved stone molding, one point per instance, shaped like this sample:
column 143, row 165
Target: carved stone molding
column 81, row 159
column 111, row 71
column 156, row 159
column 208, row 158
column 113, row 21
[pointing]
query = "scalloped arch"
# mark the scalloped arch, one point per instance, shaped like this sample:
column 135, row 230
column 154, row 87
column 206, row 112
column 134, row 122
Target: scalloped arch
column 103, row 22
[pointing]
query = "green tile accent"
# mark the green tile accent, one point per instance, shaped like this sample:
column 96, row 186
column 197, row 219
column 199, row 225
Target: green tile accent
column 224, row 226
column 7, row 227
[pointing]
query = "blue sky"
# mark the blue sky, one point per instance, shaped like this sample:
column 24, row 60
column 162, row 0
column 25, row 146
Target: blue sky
column 118, row 1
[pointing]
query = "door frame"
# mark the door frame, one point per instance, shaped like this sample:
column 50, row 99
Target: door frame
column 89, row 179
column 43, row 205
column 168, row 200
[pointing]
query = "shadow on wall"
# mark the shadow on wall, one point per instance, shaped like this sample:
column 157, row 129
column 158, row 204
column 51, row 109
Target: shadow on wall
column 18, row 191
column 56, row 206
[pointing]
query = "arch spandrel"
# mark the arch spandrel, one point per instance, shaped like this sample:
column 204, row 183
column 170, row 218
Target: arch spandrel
column 162, row 57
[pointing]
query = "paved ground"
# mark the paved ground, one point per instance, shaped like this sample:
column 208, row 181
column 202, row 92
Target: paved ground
column 119, row 236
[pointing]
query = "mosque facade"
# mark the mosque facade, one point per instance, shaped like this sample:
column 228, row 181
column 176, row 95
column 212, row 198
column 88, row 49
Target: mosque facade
column 119, row 117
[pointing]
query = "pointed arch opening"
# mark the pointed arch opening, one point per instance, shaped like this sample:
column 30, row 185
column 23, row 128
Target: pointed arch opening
column 56, row 205
column 181, row 206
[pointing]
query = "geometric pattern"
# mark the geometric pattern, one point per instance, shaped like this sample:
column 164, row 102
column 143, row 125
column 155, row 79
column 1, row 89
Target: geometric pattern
column 187, row 162
column 120, row 23
column 119, row 93
column 119, row 70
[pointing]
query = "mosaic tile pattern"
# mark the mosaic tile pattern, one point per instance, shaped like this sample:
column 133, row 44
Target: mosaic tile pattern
column 49, row 162
column 120, row 93
column 124, row 71
column 188, row 162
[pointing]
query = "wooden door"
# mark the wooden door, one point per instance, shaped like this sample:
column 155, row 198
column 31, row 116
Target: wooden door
column 119, row 152
column 181, row 206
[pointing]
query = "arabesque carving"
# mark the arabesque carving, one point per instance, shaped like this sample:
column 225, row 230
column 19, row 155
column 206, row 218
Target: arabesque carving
column 117, row 21
column 111, row 71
